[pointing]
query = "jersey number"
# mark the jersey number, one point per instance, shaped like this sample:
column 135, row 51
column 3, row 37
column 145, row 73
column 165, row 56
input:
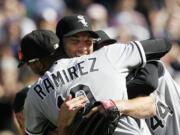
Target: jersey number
column 77, row 91
column 163, row 112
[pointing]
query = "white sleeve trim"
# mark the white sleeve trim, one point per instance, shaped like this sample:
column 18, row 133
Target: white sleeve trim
column 32, row 133
column 142, row 53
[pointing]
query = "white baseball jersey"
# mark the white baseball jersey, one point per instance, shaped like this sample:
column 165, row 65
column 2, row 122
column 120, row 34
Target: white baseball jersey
column 167, row 95
column 100, row 75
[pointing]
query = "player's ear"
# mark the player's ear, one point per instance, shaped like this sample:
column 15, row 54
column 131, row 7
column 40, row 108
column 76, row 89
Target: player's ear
column 45, row 63
column 41, row 64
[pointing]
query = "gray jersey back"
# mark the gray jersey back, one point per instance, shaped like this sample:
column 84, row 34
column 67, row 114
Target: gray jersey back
column 167, row 95
column 99, row 76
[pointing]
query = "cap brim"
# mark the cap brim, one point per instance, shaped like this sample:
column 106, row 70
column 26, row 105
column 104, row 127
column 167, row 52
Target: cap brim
column 21, row 64
column 108, row 41
column 93, row 34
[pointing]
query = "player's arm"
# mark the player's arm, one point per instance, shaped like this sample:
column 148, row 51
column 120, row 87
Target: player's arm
column 155, row 48
column 140, row 107
column 144, row 82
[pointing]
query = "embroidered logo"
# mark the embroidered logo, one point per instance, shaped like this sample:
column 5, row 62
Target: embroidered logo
column 56, row 46
column 82, row 20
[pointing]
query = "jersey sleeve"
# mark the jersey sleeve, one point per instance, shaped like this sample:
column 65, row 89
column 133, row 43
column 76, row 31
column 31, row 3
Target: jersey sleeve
column 126, row 56
column 34, row 120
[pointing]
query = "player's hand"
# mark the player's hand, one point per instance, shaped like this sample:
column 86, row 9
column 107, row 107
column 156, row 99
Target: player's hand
column 70, row 107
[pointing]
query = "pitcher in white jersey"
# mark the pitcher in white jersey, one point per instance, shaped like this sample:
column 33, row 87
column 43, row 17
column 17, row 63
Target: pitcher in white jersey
column 167, row 95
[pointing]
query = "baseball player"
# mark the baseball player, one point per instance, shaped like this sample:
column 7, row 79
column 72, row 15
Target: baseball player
column 57, row 83
column 167, row 97
column 80, row 51
column 74, row 48
column 38, row 66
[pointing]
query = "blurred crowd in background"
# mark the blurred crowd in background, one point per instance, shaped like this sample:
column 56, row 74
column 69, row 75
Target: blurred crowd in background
column 124, row 20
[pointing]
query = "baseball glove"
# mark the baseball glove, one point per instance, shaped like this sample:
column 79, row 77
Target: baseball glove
column 99, row 123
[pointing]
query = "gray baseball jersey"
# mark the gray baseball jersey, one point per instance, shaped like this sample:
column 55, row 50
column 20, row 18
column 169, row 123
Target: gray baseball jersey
column 167, row 96
column 100, row 75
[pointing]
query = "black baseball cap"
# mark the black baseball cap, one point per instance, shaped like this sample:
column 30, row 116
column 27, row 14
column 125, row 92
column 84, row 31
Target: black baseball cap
column 70, row 25
column 103, row 40
column 37, row 44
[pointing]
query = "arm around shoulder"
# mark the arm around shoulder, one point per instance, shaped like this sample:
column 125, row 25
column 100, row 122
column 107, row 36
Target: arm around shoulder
column 141, row 107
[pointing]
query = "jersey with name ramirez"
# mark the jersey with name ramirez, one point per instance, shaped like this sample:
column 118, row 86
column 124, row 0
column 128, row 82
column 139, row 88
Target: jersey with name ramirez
column 167, row 95
column 100, row 75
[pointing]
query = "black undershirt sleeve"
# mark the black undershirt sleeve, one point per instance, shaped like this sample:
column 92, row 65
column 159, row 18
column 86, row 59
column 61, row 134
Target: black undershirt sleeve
column 156, row 48
column 143, row 82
